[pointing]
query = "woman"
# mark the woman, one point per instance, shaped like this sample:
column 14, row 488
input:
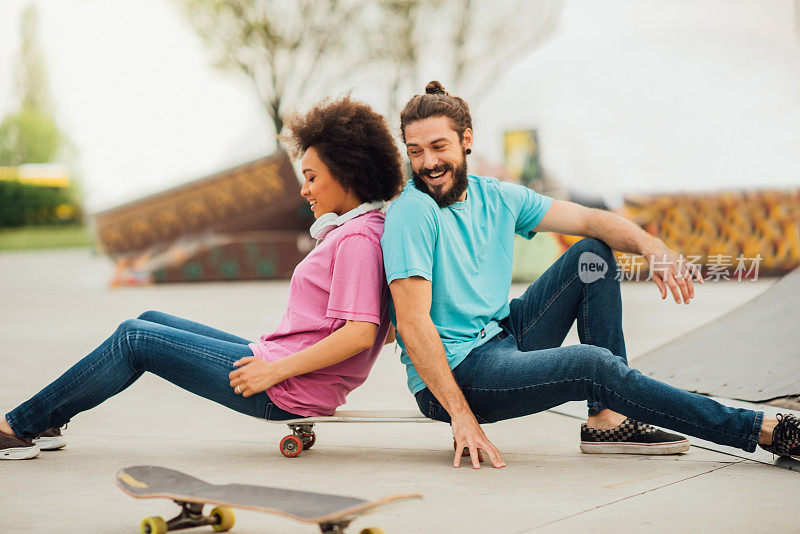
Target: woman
column 334, row 327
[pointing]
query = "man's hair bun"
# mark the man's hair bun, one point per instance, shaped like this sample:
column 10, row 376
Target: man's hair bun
column 436, row 102
column 435, row 88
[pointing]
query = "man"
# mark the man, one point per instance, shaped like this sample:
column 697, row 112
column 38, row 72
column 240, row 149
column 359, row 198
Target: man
column 472, row 357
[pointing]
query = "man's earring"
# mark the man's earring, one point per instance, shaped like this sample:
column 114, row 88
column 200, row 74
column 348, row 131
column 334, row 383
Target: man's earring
column 468, row 151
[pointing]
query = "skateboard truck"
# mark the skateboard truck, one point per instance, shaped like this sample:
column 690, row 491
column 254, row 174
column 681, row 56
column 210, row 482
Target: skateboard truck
column 221, row 519
column 334, row 528
column 301, row 439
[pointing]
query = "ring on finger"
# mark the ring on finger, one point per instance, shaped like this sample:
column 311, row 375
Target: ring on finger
column 238, row 389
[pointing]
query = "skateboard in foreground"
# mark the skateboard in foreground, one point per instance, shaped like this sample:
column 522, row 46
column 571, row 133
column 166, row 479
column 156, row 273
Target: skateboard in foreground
column 333, row 513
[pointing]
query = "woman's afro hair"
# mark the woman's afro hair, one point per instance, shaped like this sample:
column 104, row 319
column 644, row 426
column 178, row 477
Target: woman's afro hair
column 355, row 144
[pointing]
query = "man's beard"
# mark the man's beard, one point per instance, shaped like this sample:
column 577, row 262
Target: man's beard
column 460, row 182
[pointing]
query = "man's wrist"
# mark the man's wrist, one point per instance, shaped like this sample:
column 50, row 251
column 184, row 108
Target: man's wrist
column 652, row 246
column 462, row 413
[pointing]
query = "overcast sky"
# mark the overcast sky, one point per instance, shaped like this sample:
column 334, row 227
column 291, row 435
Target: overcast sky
column 630, row 95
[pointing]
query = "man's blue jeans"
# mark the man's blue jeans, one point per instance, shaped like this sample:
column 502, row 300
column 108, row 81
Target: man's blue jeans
column 193, row 356
column 525, row 370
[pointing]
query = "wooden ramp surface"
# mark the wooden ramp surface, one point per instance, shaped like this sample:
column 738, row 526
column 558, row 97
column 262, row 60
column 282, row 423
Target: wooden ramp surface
column 752, row 353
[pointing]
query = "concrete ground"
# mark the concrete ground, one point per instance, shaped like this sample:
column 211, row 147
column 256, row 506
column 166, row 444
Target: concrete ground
column 55, row 308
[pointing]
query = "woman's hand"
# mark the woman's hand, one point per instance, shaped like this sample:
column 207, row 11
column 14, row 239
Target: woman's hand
column 255, row 375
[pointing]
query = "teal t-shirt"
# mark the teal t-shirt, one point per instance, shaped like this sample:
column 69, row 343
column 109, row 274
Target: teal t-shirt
column 466, row 250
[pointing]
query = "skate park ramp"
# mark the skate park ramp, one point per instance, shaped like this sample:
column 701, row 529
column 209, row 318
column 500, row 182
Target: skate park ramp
column 752, row 353
column 248, row 222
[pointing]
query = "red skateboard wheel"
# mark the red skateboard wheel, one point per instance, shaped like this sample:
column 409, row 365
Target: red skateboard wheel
column 291, row 446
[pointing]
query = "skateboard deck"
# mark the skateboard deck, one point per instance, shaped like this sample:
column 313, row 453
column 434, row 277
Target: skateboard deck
column 331, row 512
column 303, row 436
column 364, row 416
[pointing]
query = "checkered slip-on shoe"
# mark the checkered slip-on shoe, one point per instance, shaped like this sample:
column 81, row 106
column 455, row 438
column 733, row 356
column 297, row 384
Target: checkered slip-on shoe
column 50, row 440
column 631, row 437
column 785, row 437
column 15, row 448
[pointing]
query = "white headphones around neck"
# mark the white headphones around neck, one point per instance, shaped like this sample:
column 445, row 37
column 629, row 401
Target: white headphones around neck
column 329, row 221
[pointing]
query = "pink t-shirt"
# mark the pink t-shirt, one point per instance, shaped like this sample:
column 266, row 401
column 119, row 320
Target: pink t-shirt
column 341, row 279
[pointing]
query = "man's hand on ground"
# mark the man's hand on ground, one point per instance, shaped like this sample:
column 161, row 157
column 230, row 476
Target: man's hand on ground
column 469, row 434
column 671, row 272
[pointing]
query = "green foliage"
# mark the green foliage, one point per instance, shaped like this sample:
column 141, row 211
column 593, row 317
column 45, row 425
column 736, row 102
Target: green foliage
column 31, row 72
column 23, row 204
column 32, row 237
column 28, row 136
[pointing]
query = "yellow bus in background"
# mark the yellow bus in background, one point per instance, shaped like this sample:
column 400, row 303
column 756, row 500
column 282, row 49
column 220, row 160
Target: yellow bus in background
column 39, row 174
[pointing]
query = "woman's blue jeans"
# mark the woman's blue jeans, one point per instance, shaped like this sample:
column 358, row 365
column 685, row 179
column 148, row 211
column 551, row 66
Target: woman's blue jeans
column 193, row 356
column 525, row 370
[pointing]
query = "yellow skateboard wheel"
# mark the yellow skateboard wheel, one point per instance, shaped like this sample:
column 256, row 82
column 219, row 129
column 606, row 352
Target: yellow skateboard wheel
column 225, row 516
column 373, row 530
column 154, row 525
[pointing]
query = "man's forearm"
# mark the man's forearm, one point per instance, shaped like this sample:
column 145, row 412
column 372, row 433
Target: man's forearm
column 621, row 234
column 424, row 347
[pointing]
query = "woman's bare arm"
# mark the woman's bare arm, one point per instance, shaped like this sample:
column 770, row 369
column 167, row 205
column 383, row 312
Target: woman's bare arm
column 255, row 375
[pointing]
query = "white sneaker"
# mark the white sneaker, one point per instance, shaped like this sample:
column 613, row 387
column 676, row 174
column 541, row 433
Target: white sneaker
column 50, row 440
column 14, row 448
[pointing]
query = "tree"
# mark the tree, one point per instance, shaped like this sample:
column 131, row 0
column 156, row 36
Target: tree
column 293, row 49
column 469, row 43
column 491, row 36
column 31, row 75
column 397, row 44
column 30, row 134
column 287, row 49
